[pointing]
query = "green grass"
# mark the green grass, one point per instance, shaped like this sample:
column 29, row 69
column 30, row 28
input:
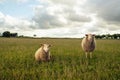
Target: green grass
column 17, row 60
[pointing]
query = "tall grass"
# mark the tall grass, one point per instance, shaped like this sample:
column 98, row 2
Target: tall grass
column 17, row 60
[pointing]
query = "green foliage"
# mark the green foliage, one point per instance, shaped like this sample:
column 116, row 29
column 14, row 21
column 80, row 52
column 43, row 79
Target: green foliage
column 108, row 36
column 69, row 63
column 6, row 34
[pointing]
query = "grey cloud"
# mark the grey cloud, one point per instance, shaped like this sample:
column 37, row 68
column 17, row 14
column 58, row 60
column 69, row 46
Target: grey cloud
column 113, row 27
column 64, row 2
column 73, row 16
column 94, row 29
column 79, row 18
column 109, row 10
column 108, row 13
column 45, row 18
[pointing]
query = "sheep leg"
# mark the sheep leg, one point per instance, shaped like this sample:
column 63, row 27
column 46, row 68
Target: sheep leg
column 86, row 54
column 90, row 54
column 49, row 56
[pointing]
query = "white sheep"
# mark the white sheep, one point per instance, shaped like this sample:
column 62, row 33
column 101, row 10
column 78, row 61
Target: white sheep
column 88, row 44
column 43, row 53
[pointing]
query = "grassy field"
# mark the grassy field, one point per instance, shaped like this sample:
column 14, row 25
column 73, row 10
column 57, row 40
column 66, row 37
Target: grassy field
column 17, row 60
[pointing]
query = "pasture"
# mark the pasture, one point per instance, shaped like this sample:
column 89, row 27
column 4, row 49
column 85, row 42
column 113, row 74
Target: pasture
column 69, row 63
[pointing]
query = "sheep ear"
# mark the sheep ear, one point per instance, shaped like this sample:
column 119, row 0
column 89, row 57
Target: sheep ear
column 86, row 34
column 93, row 34
column 49, row 45
column 41, row 45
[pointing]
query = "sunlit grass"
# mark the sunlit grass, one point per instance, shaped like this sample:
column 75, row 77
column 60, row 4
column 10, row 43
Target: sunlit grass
column 17, row 60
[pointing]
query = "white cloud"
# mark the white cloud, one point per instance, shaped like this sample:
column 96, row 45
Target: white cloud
column 9, row 22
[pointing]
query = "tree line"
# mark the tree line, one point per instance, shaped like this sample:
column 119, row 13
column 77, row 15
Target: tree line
column 8, row 34
column 103, row 36
column 108, row 36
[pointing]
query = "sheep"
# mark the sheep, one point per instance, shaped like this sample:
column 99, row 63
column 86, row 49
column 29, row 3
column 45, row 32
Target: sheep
column 88, row 44
column 43, row 53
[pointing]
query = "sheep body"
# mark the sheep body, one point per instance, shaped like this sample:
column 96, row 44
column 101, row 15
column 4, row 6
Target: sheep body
column 42, row 54
column 88, row 44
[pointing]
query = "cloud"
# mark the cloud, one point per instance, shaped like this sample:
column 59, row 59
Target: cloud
column 78, row 18
column 108, row 10
column 8, row 22
column 58, row 32
column 46, row 17
column 66, row 18
column 70, row 3
column 52, row 14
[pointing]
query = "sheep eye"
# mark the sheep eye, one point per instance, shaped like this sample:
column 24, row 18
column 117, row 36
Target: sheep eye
column 49, row 46
column 86, row 34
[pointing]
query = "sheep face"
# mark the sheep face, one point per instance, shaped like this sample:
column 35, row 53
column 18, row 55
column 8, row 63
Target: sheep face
column 46, row 47
column 90, row 37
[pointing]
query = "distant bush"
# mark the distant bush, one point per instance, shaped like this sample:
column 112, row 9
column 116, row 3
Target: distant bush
column 8, row 34
column 108, row 36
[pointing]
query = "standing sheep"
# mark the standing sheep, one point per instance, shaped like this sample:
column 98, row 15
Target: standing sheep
column 43, row 53
column 88, row 44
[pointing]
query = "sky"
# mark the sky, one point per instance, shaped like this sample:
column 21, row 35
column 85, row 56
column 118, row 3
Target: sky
column 60, row 18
